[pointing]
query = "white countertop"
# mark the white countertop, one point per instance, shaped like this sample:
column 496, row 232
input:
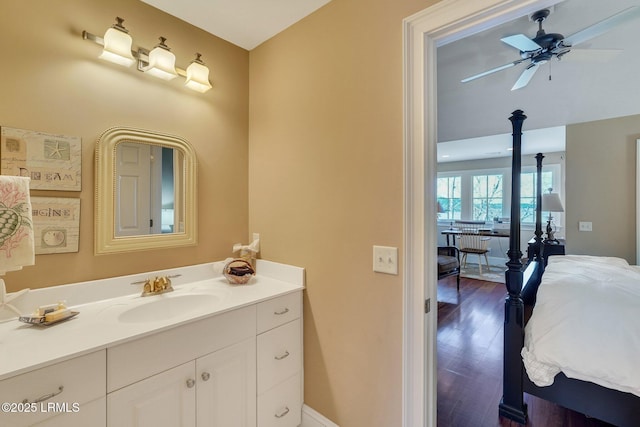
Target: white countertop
column 26, row 347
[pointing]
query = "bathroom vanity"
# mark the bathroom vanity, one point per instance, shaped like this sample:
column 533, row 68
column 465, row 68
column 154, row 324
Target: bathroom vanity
column 206, row 354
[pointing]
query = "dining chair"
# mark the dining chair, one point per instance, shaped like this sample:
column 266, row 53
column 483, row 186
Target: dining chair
column 471, row 241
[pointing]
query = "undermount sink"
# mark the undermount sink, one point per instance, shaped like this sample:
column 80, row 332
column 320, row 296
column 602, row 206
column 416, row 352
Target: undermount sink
column 166, row 306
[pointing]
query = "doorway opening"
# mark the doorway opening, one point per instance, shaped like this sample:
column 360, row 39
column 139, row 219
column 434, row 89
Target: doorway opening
column 439, row 24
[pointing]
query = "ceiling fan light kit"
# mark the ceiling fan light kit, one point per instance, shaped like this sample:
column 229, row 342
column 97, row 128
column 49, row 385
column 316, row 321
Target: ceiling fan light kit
column 545, row 46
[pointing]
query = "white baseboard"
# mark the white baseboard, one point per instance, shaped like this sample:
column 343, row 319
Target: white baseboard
column 312, row 418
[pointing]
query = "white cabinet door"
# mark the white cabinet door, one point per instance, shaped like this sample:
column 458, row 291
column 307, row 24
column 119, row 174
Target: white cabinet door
column 165, row 399
column 227, row 387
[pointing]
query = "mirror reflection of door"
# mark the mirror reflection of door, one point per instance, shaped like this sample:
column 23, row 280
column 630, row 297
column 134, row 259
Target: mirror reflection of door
column 133, row 187
column 144, row 190
column 167, row 192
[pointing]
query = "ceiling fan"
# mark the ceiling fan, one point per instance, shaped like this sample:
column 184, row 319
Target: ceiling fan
column 544, row 47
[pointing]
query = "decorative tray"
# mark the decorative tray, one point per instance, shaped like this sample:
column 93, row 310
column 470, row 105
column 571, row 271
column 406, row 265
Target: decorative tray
column 40, row 320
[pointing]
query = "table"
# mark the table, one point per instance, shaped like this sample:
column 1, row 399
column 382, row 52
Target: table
column 548, row 248
column 453, row 232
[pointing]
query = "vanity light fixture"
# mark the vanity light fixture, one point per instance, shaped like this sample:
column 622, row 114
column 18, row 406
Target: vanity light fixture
column 159, row 62
column 162, row 62
column 117, row 45
column 198, row 75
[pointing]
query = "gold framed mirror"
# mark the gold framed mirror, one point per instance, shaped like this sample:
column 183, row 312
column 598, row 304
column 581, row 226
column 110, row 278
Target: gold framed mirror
column 145, row 195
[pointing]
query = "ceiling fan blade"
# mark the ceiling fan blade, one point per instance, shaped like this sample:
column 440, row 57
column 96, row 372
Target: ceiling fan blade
column 493, row 70
column 521, row 42
column 603, row 26
column 594, row 55
column 525, row 77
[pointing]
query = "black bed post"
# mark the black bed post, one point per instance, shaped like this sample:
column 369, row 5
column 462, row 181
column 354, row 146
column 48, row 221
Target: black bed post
column 538, row 232
column 512, row 405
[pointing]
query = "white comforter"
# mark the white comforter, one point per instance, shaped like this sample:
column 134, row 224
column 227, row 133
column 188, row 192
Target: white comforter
column 586, row 323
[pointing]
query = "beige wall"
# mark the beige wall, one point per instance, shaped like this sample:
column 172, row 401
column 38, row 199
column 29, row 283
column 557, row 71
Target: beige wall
column 325, row 185
column 601, row 187
column 53, row 82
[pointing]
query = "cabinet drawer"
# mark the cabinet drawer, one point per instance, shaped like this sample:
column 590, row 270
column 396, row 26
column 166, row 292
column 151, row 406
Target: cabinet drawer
column 278, row 311
column 82, row 380
column 92, row 414
column 282, row 405
column 279, row 355
column 144, row 357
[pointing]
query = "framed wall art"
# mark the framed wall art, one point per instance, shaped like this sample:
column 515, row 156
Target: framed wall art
column 56, row 224
column 53, row 162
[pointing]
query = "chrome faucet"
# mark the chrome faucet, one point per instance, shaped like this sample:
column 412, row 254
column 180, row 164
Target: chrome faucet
column 155, row 286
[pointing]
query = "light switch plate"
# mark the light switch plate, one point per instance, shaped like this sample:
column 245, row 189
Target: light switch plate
column 385, row 259
column 585, row 226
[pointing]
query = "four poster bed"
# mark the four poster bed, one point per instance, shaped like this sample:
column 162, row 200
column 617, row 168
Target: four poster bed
column 598, row 295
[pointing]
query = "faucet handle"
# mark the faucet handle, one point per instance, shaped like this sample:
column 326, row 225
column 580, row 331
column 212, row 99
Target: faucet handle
column 166, row 283
column 163, row 282
column 147, row 287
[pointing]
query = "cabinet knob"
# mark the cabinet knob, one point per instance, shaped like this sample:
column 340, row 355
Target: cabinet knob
column 205, row 376
column 281, row 312
column 191, row 383
column 283, row 413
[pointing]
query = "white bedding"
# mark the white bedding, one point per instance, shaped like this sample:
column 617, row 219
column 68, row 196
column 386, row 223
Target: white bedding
column 586, row 323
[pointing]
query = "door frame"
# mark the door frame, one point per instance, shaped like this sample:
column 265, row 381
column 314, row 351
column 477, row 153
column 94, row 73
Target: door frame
column 423, row 32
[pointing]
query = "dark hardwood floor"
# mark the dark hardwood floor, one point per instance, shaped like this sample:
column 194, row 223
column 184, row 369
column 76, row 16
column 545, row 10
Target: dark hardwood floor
column 470, row 361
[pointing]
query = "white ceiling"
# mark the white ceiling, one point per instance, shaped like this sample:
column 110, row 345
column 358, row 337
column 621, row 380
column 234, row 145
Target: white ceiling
column 545, row 140
column 245, row 23
column 580, row 90
column 473, row 116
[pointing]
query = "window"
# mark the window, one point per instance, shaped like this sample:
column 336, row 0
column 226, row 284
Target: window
column 485, row 194
column 528, row 193
column 449, row 197
column 487, row 197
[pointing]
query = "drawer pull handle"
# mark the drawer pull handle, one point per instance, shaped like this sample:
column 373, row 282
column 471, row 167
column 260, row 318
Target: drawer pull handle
column 46, row 396
column 284, row 356
column 281, row 312
column 283, row 413
column 191, row 383
column 206, row 376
